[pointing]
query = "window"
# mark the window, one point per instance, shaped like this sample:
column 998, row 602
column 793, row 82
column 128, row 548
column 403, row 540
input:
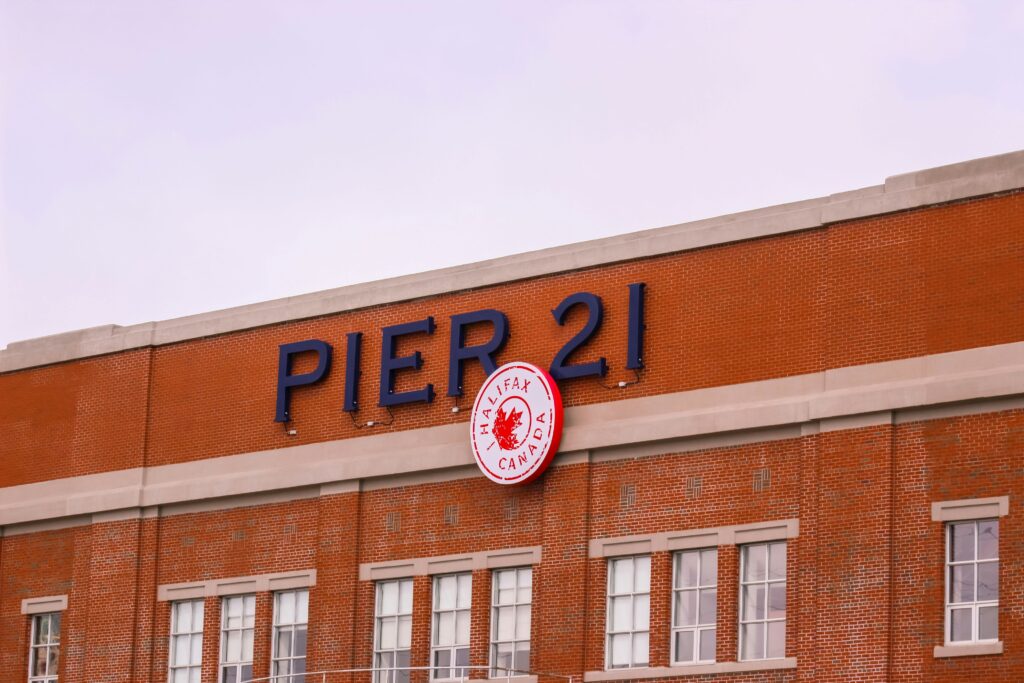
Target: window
column 291, row 614
column 511, row 595
column 44, row 651
column 392, row 637
column 629, row 598
column 763, row 601
column 186, row 653
column 972, row 580
column 238, row 616
column 694, row 606
column 450, row 640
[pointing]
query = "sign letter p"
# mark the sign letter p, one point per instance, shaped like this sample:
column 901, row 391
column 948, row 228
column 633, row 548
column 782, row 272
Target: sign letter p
column 286, row 381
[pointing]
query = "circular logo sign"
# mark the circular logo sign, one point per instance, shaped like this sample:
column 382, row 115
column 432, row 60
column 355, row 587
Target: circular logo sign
column 516, row 423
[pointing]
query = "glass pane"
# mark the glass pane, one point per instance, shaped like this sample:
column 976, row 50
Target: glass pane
column 389, row 598
column 960, row 626
column 197, row 616
column 506, row 579
column 402, row 661
column 384, row 660
column 709, row 567
column 686, row 608
column 522, row 660
column 281, row 668
column 708, row 605
column 405, row 597
column 388, row 635
column 247, row 645
column 639, row 649
column 754, row 562
column 753, row 602
column 622, row 575
column 404, row 632
column 246, row 673
column 621, row 614
column 988, row 623
column 752, row 637
column 302, row 607
column 503, row 656
column 988, row 540
column 234, row 649
column 776, row 639
column 962, row 542
column 286, row 608
column 961, row 583
column 446, row 587
column 462, row 627
column 234, row 607
column 442, row 660
column 39, row 662
column 446, row 628
column 642, row 574
column 687, row 569
column 182, row 650
column 641, row 612
column 683, row 643
column 777, row 561
column 465, row 590
column 620, row 650
column 988, row 581
column 230, row 675
column 777, row 601
column 180, row 676
column 55, row 627
column 284, row 643
column 707, row 645
column 506, row 596
column 182, row 617
column 462, row 657
column 42, row 630
column 195, row 675
column 196, row 657
column 525, row 585
column 523, row 622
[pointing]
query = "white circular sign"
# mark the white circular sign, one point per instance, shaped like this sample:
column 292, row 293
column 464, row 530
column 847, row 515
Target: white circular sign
column 516, row 423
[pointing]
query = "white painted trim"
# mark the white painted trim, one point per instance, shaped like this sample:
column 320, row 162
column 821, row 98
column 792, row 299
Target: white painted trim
column 974, row 178
column 446, row 564
column 711, row 537
column 667, row 423
column 49, row 603
column 970, row 508
column 968, row 650
column 513, row 679
column 237, row 585
column 690, row 670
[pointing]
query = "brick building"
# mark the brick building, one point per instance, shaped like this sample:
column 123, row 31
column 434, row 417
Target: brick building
column 816, row 475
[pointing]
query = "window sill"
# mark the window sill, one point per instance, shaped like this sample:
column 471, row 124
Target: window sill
column 968, row 649
column 518, row 678
column 690, row 670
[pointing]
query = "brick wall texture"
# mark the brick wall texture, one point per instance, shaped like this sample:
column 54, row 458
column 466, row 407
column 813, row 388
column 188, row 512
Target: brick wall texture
column 865, row 575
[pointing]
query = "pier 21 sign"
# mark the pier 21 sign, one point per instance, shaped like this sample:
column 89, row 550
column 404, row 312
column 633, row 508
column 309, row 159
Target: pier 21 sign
column 458, row 353
column 516, row 423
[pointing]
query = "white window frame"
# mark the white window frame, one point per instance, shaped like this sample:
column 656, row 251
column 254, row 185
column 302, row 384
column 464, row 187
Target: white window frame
column 393, row 674
column 457, row 672
column 974, row 605
column 515, row 609
column 222, row 664
column 635, row 596
column 49, row 645
column 189, row 633
column 299, row 622
column 767, row 582
column 701, row 587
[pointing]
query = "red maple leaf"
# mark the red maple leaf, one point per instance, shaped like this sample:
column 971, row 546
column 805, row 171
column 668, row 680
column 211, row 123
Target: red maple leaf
column 504, row 428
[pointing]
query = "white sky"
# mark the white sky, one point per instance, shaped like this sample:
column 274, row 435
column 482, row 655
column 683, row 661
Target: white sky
column 165, row 158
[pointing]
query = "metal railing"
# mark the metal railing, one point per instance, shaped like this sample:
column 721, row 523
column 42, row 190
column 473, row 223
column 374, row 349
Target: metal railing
column 329, row 676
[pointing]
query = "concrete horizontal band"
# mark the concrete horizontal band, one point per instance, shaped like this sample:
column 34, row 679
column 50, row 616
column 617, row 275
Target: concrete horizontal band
column 941, row 385
column 973, row 178
column 238, row 585
column 689, row 670
column 642, row 544
column 49, row 603
column 971, row 508
column 968, row 649
column 447, row 564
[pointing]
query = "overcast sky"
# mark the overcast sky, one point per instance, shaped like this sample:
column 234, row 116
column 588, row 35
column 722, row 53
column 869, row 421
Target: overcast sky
column 165, row 158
